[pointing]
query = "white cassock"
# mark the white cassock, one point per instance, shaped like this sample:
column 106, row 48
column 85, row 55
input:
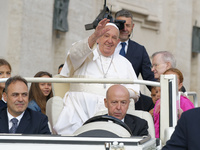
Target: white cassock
column 83, row 100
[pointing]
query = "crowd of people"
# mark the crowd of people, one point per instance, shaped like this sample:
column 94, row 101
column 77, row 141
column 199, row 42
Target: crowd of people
column 107, row 53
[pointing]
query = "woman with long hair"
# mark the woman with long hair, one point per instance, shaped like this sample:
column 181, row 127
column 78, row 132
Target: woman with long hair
column 39, row 93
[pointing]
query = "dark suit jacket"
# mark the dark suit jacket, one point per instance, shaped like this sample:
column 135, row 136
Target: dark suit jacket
column 187, row 132
column 2, row 104
column 139, row 59
column 137, row 125
column 32, row 122
column 144, row 103
column 141, row 63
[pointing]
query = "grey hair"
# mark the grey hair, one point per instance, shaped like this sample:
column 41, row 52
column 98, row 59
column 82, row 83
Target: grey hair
column 167, row 57
column 124, row 13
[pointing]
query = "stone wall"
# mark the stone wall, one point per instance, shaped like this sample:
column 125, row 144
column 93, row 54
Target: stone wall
column 29, row 43
column 195, row 58
column 28, row 28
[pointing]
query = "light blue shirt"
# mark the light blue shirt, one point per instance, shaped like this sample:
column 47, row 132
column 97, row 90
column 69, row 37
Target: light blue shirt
column 34, row 106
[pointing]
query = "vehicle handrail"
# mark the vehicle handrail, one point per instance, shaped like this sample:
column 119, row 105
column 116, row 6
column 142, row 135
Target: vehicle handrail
column 87, row 80
column 194, row 94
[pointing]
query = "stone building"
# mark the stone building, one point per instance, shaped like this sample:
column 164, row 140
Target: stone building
column 30, row 44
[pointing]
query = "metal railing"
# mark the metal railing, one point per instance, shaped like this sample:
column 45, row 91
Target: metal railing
column 194, row 95
column 88, row 80
column 169, row 94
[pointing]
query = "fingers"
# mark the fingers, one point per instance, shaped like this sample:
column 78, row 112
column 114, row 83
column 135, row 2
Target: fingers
column 100, row 29
column 102, row 24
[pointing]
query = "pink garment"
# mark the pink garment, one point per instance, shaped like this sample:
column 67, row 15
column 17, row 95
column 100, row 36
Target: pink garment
column 185, row 104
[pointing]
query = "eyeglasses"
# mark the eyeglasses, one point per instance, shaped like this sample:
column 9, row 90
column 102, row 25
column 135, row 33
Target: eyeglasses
column 156, row 65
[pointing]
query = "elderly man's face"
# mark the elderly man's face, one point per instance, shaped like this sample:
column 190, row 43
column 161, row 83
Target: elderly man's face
column 108, row 42
column 17, row 98
column 159, row 66
column 117, row 103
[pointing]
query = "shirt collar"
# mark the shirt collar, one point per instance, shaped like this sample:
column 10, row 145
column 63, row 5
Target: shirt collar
column 119, row 46
column 3, row 100
column 96, row 53
column 18, row 117
column 125, row 42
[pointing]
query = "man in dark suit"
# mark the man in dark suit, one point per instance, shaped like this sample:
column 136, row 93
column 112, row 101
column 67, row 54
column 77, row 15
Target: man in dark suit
column 134, row 52
column 137, row 55
column 16, row 117
column 117, row 101
column 187, row 132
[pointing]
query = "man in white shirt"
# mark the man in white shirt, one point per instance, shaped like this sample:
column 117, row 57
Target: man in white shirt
column 86, row 60
column 16, row 117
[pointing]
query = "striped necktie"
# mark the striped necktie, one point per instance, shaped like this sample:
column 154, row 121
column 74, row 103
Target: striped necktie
column 14, row 125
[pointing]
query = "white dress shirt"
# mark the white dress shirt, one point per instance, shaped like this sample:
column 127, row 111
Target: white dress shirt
column 119, row 46
column 10, row 117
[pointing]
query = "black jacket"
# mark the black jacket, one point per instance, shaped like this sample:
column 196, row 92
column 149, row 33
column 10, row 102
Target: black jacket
column 32, row 122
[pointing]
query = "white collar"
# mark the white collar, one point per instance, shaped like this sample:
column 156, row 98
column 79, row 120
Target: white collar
column 125, row 42
column 18, row 117
column 3, row 100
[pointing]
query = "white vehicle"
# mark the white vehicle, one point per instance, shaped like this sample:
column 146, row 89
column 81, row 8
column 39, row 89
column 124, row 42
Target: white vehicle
column 98, row 133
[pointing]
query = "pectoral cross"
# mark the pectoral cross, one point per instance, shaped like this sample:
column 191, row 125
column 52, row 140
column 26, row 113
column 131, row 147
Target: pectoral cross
column 104, row 85
column 105, row 72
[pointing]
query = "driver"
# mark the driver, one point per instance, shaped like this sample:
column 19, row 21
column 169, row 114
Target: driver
column 117, row 101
